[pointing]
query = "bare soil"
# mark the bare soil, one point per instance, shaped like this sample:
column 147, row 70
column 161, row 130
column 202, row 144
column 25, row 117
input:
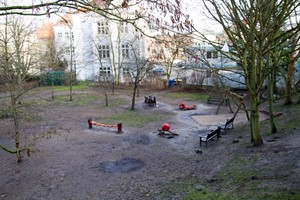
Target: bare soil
column 70, row 161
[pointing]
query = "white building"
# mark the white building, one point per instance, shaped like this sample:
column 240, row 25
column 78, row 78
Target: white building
column 93, row 45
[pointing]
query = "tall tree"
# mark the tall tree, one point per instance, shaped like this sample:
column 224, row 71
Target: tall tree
column 294, row 54
column 248, row 25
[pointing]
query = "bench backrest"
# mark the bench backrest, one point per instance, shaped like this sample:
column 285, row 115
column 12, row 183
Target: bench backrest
column 213, row 133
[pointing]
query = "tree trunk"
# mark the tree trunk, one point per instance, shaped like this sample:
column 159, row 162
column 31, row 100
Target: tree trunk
column 255, row 132
column 270, row 99
column 52, row 84
column 133, row 96
column 113, row 86
column 17, row 130
column 71, row 77
column 288, row 89
column 105, row 91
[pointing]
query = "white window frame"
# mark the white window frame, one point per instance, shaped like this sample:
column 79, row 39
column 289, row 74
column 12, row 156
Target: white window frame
column 104, row 51
column 124, row 27
column 67, row 35
column 125, row 50
column 67, row 51
column 102, row 27
column 105, row 70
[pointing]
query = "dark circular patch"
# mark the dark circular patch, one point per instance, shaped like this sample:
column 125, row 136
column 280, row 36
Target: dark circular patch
column 123, row 165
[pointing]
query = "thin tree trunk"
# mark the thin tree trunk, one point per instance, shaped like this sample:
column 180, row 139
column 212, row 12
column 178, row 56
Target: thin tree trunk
column 270, row 99
column 52, row 84
column 71, row 77
column 288, row 89
column 17, row 130
column 105, row 91
column 133, row 96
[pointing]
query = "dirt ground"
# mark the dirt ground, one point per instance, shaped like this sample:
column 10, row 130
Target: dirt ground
column 72, row 161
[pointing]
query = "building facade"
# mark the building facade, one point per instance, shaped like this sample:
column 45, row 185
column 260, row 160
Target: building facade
column 93, row 46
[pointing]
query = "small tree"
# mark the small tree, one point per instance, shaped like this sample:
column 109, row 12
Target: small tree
column 17, row 58
column 166, row 49
column 140, row 70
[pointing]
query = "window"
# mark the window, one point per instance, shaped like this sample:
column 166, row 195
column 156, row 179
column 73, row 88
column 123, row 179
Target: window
column 103, row 51
column 67, row 35
column 126, row 72
column 215, row 54
column 59, row 35
column 124, row 27
column 212, row 54
column 102, row 27
column 125, row 50
column 67, row 50
column 104, row 70
column 209, row 54
column 74, row 64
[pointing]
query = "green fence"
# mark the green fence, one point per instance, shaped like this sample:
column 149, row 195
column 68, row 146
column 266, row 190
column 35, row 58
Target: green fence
column 57, row 77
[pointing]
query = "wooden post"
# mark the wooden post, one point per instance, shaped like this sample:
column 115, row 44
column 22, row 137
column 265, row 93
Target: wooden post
column 90, row 123
column 120, row 128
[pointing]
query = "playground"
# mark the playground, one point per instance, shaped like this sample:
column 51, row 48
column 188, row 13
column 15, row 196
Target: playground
column 79, row 154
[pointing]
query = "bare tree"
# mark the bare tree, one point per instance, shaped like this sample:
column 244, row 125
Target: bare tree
column 142, row 67
column 166, row 49
column 294, row 54
column 17, row 59
column 250, row 27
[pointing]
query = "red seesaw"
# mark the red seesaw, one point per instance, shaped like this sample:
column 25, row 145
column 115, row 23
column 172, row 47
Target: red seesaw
column 184, row 107
column 91, row 123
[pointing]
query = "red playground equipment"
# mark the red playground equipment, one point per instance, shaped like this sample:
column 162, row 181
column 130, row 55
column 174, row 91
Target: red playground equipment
column 165, row 131
column 91, row 123
column 184, row 107
column 165, row 127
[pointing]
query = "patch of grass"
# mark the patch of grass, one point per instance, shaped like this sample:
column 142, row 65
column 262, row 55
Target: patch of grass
column 291, row 125
column 187, row 96
column 290, row 120
column 257, row 195
column 236, row 172
column 67, row 88
column 191, row 189
column 78, row 99
column 133, row 118
column 115, row 102
column 207, row 195
column 277, row 195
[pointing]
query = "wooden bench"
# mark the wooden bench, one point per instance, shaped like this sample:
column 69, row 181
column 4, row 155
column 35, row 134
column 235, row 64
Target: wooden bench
column 210, row 136
column 227, row 125
column 151, row 100
column 215, row 99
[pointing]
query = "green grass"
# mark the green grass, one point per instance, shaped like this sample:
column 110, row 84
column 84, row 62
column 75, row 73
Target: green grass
column 254, row 195
column 207, row 195
column 67, row 88
column 115, row 102
column 187, row 96
column 78, row 99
